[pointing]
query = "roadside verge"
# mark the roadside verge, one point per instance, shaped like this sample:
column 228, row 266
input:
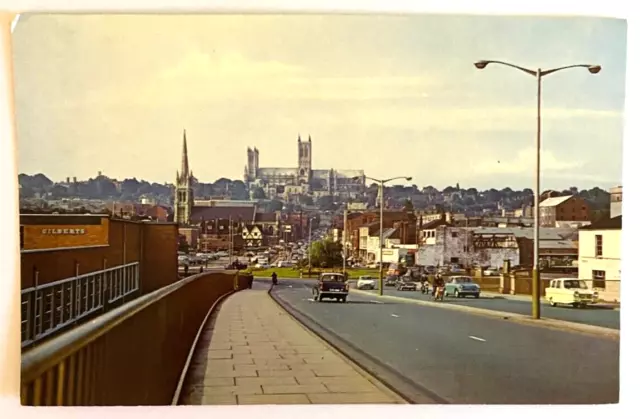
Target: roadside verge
column 519, row 318
column 362, row 361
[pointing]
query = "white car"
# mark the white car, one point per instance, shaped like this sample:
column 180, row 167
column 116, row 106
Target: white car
column 570, row 291
column 491, row 272
column 284, row 264
column 262, row 266
column 366, row 283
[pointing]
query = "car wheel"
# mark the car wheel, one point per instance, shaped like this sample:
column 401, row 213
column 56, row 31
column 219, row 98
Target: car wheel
column 477, row 295
column 551, row 302
column 456, row 293
column 320, row 298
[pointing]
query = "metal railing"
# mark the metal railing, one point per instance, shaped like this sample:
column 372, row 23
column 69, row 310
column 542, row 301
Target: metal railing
column 49, row 308
column 132, row 355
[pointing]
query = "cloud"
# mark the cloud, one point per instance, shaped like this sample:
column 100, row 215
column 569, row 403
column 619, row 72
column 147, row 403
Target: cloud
column 524, row 162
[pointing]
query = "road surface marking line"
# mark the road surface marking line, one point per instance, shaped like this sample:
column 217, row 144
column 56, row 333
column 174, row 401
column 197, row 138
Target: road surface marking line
column 477, row 338
column 394, row 315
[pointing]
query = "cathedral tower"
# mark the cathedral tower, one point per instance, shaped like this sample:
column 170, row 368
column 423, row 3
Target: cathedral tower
column 304, row 161
column 253, row 164
column 183, row 199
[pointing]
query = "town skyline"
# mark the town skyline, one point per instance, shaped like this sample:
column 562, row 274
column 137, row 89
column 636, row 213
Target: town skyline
column 234, row 82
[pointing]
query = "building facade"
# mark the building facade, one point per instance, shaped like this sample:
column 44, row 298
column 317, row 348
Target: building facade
column 304, row 176
column 615, row 207
column 563, row 208
column 600, row 256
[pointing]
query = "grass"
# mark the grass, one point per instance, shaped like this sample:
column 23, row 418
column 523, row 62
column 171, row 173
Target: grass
column 295, row 272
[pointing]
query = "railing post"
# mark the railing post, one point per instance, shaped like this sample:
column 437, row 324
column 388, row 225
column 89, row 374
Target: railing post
column 77, row 295
column 103, row 286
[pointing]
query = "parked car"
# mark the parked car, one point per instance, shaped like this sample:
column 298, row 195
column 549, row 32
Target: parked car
column 366, row 282
column 405, row 284
column 571, row 291
column 461, row 286
column 456, row 269
column 331, row 285
column 491, row 272
column 390, row 281
column 430, row 270
column 284, row 264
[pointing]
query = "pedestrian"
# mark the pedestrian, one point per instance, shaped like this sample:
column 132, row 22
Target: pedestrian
column 250, row 281
column 186, row 270
column 201, row 268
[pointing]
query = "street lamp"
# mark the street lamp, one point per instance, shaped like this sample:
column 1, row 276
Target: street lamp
column 538, row 74
column 309, row 244
column 381, row 182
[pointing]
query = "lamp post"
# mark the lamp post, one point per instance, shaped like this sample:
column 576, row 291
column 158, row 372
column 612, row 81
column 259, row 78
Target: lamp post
column 309, row 244
column 344, row 243
column 538, row 74
column 382, row 182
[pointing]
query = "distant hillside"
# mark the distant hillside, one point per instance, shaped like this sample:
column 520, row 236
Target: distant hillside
column 451, row 198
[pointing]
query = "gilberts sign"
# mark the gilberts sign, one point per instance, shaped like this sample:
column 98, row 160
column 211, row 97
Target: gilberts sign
column 47, row 232
column 60, row 231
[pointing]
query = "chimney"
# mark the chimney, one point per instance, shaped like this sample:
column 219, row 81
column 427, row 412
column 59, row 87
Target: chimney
column 67, row 179
column 75, row 180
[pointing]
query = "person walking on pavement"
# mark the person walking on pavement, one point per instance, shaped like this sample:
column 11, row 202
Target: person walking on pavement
column 186, row 270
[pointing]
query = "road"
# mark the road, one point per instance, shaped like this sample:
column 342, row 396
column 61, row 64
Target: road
column 466, row 358
column 603, row 316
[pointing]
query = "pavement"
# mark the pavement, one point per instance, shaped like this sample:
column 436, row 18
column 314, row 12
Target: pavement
column 253, row 352
column 465, row 358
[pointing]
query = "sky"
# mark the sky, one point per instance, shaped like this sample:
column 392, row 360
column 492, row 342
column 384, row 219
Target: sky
column 395, row 95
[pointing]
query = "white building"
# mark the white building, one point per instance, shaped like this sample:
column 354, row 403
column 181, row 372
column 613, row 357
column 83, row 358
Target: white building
column 615, row 207
column 599, row 256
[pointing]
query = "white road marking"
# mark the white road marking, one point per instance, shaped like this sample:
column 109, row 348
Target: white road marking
column 376, row 301
column 394, row 315
column 477, row 338
column 310, row 299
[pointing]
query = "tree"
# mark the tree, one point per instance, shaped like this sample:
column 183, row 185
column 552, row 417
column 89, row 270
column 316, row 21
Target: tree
column 408, row 205
column 274, row 206
column 326, row 254
column 306, row 200
column 325, row 203
column 258, row 193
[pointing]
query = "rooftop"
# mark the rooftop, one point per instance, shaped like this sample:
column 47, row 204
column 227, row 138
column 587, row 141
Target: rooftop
column 614, row 223
column 553, row 202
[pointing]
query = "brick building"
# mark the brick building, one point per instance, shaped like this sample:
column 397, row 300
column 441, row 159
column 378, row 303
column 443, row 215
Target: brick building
column 563, row 208
column 404, row 222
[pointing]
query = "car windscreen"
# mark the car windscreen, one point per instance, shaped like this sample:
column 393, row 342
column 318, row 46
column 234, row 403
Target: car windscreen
column 332, row 278
column 575, row 284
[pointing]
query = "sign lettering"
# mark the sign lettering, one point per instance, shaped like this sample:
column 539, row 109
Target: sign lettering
column 63, row 231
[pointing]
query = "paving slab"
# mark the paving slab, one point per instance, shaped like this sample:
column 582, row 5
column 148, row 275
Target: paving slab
column 253, row 352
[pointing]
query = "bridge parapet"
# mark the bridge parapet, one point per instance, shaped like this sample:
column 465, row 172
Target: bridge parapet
column 133, row 355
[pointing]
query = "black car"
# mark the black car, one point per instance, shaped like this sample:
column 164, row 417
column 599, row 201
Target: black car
column 390, row 281
column 331, row 285
column 405, row 284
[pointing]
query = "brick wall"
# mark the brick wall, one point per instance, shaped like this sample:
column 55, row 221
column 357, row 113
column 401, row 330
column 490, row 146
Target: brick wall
column 573, row 209
column 153, row 245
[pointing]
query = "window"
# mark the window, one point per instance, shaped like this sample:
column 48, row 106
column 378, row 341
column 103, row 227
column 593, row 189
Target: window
column 599, row 278
column 21, row 237
column 454, row 234
column 598, row 245
column 454, row 260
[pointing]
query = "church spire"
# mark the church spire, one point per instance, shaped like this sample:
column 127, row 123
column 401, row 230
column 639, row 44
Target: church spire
column 185, row 158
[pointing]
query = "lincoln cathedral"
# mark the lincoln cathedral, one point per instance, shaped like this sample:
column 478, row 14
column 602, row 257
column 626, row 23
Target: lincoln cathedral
column 303, row 179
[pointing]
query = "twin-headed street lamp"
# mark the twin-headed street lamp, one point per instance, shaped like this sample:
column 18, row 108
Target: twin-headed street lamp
column 538, row 74
column 381, row 182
